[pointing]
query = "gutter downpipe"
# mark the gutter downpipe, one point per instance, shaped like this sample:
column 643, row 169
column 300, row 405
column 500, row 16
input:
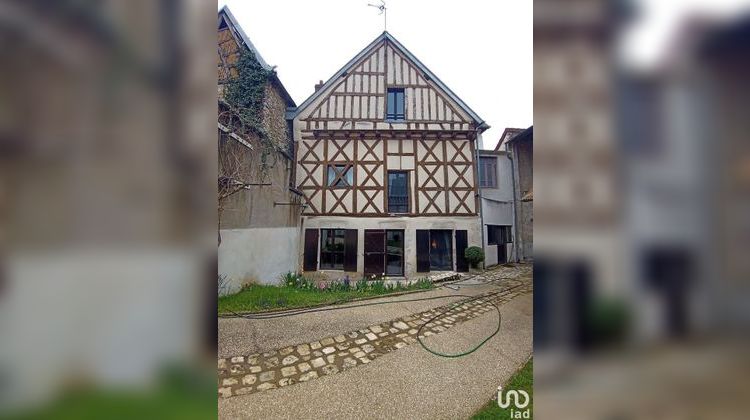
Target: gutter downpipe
column 479, row 194
column 515, row 214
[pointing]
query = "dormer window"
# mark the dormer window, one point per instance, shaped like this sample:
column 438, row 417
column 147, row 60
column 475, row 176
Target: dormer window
column 395, row 105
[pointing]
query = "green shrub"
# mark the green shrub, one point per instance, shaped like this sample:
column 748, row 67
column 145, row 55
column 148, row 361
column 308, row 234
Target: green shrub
column 474, row 255
column 423, row 283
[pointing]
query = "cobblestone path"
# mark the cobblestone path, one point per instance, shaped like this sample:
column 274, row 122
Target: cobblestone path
column 241, row 375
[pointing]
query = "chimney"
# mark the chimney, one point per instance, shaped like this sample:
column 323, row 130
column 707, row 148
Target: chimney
column 318, row 85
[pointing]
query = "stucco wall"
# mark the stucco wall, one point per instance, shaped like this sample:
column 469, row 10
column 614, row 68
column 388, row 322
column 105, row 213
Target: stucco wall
column 408, row 224
column 497, row 205
column 258, row 255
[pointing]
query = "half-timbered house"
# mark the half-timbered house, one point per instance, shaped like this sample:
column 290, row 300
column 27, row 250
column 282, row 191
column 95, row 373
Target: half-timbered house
column 386, row 162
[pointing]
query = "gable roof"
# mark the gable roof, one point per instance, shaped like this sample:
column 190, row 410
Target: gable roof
column 226, row 15
column 385, row 36
column 508, row 134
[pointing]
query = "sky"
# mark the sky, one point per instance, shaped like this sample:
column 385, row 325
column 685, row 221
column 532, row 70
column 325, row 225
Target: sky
column 481, row 49
column 652, row 32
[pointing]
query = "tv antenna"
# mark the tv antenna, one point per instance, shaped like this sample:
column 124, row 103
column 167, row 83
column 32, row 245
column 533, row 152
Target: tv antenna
column 383, row 11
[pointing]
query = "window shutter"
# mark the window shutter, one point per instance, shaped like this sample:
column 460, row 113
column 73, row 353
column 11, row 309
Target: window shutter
column 311, row 250
column 350, row 250
column 423, row 251
column 462, row 243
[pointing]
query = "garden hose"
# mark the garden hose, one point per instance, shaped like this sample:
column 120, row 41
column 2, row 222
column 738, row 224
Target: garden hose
column 475, row 348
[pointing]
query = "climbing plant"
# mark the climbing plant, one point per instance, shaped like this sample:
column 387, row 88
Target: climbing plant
column 245, row 96
column 241, row 112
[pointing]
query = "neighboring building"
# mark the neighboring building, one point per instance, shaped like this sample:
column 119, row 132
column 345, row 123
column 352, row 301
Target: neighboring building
column 385, row 159
column 508, row 134
column 259, row 225
column 498, row 213
column 521, row 148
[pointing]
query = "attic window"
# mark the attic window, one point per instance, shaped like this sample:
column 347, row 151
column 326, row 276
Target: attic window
column 395, row 108
column 223, row 24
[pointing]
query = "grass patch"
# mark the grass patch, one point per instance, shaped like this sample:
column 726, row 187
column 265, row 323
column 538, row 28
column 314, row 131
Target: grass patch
column 521, row 380
column 302, row 294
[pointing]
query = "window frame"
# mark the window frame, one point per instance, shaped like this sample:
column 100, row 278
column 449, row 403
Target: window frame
column 343, row 175
column 395, row 116
column 325, row 234
column 483, row 172
column 499, row 234
column 388, row 192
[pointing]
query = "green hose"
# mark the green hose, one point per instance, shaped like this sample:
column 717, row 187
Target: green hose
column 466, row 353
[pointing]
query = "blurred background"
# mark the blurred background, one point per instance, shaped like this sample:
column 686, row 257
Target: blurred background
column 642, row 221
column 107, row 189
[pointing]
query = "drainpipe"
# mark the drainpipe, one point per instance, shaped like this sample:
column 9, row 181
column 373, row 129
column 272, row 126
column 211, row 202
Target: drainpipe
column 515, row 215
column 479, row 194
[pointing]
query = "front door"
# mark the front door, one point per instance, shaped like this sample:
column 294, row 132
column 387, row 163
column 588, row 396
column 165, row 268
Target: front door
column 502, row 256
column 374, row 252
column 384, row 252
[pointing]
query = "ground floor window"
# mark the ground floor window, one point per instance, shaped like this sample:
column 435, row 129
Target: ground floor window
column 394, row 247
column 332, row 245
column 441, row 250
column 498, row 234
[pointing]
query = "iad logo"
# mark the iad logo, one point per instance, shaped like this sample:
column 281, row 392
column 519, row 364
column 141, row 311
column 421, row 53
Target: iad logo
column 517, row 411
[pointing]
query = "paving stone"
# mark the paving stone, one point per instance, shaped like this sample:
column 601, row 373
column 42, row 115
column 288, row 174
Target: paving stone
column 269, row 354
column 364, row 360
column 318, row 362
column 393, row 330
column 371, row 336
column 309, row 375
column 238, row 359
column 230, row 382
column 352, row 334
column 400, row 345
column 330, row 369
column 266, row 386
column 412, row 331
column 367, row 348
column 349, row 363
column 289, row 360
column 286, row 382
column 267, row 376
column 235, row 369
column 272, row 362
column 359, row 354
column 317, row 353
column 401, row 325
column 383, row 334
column 249, row 379
column 288, row 371
column 353, row 350
column 342, row 354
column 315, row 345
column 244, row 391
column 329, row 350
column 286, row 350
column 225, row 392
column 376, row 329
column 222, row 363
column 340, row 338
column 327, row 341
column 331, row 358
column 342, row 346
column 255, row 369
column 303, row 349
column 252, row 360
column 304, row 367
column 360, row 341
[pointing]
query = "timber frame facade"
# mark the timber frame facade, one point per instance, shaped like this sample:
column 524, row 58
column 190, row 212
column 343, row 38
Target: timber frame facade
column 347, row 142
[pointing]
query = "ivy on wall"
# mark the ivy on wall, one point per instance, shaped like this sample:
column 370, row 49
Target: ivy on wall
column 245, row 96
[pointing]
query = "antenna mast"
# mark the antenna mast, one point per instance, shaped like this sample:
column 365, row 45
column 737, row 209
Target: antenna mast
column 383, row 11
